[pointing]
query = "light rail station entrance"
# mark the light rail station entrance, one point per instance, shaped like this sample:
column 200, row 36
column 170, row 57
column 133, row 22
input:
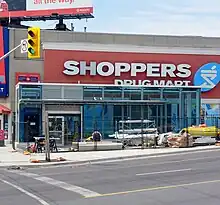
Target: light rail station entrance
column 76, row 110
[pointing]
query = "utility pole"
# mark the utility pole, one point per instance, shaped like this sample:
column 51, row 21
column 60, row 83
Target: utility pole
column 47, row 138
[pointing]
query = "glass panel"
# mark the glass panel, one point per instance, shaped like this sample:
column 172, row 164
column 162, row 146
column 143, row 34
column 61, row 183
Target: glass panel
column 173, row 117
column 52, row 92
column 30, row 92
column 132, row 112
column 166, row 116
column 135, row 112
column 171, row 94
column 117, row 115
column 161, row 117
column 29, row 123
column 92, row 119
column 189, row 115
column 132, row 94
column 108, row 123
column 211, row 113
column 113, row 93
column 93, row 93
column 190, row 89
column 146, row 114
column 72, row 128
column 194, row 108
column 56, row 128
column 101, row 118
column 150, row 94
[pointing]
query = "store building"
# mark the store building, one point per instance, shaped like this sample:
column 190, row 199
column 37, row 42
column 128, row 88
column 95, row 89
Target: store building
column 154, row 62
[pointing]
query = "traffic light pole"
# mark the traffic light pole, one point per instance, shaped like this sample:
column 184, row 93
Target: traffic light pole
column 11, row 51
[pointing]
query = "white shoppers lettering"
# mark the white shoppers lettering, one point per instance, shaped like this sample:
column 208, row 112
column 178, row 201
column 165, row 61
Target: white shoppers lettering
column 93, row 68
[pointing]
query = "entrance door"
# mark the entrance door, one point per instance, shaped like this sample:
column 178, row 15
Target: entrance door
column 31, row 126
column 72, row 129
column 56, row 129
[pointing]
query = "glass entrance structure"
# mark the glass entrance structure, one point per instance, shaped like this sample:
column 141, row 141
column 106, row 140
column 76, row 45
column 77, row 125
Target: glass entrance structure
column 76, row 110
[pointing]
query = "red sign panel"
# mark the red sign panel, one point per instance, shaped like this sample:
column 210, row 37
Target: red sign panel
column 93, row 67
column 27, row 77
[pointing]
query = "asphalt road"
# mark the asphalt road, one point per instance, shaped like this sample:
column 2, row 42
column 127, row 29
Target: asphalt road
column 181, row 179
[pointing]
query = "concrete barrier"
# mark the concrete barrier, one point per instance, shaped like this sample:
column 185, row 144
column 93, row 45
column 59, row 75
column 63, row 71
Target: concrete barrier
column 99, row 146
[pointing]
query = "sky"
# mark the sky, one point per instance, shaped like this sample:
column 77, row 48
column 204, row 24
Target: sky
column 160, row 17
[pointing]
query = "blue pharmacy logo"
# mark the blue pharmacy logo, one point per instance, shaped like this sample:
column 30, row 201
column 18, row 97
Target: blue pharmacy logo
column 207, row 76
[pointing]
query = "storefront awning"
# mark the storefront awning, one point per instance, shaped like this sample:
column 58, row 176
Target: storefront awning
column 4, row 110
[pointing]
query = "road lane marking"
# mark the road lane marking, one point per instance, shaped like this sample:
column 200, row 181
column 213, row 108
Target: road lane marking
column 163, row 172
column 69, row 187
column 124, row 167
column 150, row 157
column 157, row 188
column 26, row 192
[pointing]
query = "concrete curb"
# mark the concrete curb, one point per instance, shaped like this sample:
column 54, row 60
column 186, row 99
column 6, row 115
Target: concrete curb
column 84, row 162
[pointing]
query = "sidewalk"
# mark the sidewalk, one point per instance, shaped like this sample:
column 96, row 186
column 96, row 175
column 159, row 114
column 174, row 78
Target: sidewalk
column 9, row 158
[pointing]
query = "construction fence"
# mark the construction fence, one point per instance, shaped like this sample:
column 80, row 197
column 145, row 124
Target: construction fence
column 66, row 131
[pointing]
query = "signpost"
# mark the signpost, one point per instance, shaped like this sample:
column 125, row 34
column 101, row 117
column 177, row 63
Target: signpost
column 24, row 46
column 23, row 49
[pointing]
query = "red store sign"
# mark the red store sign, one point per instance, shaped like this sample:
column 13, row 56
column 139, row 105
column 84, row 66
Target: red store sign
column 95, row 67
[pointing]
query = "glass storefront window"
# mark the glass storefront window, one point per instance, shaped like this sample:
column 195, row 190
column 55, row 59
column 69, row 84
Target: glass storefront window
column 132, row 94
column 149, row 94
column 189, row 108
column 93, row 93
column 72, row 128
column 173, row 117
column 30, row 92
column 211, row 114
column 99, row 117
column 170, row 94
column 112, row 93
column 135, row 112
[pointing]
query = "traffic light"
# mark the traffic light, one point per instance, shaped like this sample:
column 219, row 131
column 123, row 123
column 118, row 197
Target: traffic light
column 34, row 43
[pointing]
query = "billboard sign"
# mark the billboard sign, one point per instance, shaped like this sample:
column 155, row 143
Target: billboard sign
column 3, row 5
column 131, row 68
column 4, row 64
column 42, row 8
column 35, row 5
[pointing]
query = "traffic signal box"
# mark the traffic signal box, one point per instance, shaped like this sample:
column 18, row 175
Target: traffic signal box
column 34, row 43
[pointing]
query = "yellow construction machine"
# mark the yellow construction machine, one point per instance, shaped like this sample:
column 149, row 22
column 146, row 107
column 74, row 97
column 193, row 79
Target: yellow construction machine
column 203, row 130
